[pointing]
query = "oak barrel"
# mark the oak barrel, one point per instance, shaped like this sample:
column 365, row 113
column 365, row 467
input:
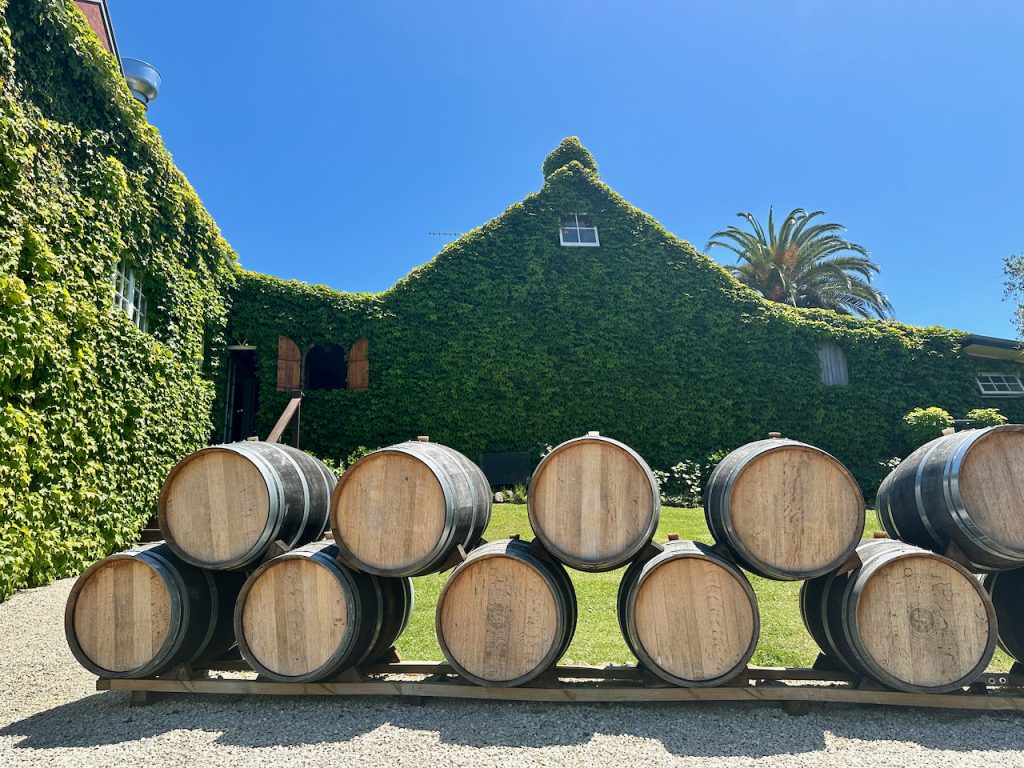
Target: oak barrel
column 907, row 618
column 506, row 614
column 689, row 615
column 1007, row 592
column 305, row 617
column 785, row 510
column 404, row 510
column 594, row 503
column 224, row 507
column 141, row 612
column 966, row 488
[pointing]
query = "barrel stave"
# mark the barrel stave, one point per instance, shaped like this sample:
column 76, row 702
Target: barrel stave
column 689, row 615
column 403, row 510
column 784, row 510
column 506, row 614
column 184, row 610
column 225, row 506
column 594, row 503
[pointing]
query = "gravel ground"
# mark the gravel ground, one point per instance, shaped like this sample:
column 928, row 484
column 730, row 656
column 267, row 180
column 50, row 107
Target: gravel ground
column 50, row 714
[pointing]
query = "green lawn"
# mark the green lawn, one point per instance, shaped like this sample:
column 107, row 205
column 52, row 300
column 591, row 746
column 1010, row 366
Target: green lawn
column 784, row 641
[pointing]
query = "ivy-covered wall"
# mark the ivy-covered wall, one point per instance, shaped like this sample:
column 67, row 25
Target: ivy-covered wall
column 93, row 411
column 505, row 341
column 508, row 340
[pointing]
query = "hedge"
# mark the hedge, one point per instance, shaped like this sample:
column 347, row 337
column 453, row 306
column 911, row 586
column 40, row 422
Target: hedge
column 508, row 341
column 93, row 411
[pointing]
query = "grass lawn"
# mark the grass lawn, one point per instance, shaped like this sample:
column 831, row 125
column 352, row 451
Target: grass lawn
column 784, row 641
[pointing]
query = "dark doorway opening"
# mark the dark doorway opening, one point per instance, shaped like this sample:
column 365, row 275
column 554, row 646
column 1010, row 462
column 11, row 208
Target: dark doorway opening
column 325, row 367
column 243, row 395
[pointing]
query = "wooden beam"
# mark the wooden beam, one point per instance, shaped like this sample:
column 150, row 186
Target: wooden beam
column 606, row 684
column 286, row 416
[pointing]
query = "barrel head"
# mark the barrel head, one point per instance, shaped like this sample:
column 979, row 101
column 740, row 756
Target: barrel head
column 796, row 510
column 695, row 619
column 295, row 617
column 389, row 512
column 593, row 503
column 991, row 482
column 214, row 507
column 498, row 619
column 924, row 622
column 122, row 614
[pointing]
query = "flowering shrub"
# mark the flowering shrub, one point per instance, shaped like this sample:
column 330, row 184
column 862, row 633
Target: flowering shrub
column 924, row 424
column 986, row 417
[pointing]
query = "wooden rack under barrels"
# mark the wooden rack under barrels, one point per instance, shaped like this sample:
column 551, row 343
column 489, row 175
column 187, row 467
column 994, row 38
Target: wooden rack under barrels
column 797, row 689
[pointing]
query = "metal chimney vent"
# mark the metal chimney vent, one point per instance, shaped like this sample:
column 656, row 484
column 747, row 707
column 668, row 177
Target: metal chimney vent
column 143, row 79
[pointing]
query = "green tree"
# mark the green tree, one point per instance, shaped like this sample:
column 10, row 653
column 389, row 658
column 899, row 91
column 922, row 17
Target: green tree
column 1013, row 268
column 805, row 264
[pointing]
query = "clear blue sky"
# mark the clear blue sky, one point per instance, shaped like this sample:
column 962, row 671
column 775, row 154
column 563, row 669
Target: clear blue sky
column 328, row 138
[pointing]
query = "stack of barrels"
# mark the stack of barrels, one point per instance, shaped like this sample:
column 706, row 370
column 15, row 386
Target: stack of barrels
column 778, row 508
column 962, row 496
column 244, row 561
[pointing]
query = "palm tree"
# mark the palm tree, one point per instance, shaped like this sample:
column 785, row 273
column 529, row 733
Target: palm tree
column 804, row 264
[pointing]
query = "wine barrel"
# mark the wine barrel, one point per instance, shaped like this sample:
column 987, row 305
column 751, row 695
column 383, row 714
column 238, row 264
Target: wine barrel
column 224, row 507
column 141, row 612
column 966, row 488
column 1007, row 592
column 689, row 615
column 906, row 618
column 403, row 510
column 594, row 503
column 785, row 510
column 305, row 617
column 506, row 614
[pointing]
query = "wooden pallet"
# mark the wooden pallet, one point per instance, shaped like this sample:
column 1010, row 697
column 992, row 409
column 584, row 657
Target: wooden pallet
column 796, row 688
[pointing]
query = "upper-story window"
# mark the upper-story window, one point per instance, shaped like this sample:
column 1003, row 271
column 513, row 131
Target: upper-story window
column 128, row 294
column 578, row 229
column 833, row 365
column 1000, row 384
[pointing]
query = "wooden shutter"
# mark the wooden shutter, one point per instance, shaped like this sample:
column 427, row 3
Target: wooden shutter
column 289, row 364
column 833, row 365
column 359, row 366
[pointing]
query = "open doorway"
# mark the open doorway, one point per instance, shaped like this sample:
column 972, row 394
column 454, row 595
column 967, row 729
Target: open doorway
column 242, row 395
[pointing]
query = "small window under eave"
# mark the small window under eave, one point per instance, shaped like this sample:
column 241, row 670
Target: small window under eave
column 578, row 230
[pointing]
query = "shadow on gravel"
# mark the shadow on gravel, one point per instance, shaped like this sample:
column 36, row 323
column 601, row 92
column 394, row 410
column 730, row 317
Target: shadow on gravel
column 702, row 730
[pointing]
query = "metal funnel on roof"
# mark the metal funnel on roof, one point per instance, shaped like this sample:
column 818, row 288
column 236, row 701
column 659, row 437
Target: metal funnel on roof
column 143, row 79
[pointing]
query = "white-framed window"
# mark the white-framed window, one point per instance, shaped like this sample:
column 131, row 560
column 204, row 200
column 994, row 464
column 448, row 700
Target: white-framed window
column 128, row 295
column 1000, row 384
column 578, row 230
column 833, row 365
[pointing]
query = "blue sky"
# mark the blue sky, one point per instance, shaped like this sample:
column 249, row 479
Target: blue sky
column 329, row 138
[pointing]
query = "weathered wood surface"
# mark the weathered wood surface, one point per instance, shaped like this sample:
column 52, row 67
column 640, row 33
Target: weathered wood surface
column 909, row 618
column 403, row 510
column 122, row 616
column 223, row 507
column 295, row 616
column 389, row 511
column 215, row 506
column 965, row 488
column 594, row 503
column 697, row 617
column 992, row 486
column 923, row 622
column 505, row 615
column 784, row 509
column 592, row 684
